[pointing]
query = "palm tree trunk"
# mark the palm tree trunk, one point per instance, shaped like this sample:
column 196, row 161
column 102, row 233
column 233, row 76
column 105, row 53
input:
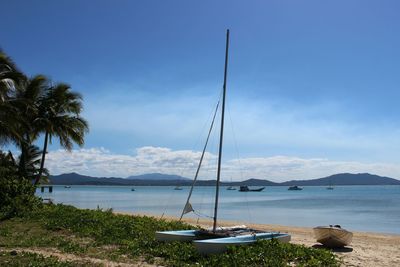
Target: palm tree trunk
column 21, row 164
column 46, row 138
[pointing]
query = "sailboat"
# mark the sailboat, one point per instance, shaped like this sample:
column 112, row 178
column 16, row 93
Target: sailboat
column 330, row 187
column 217, row 239
column 231, row 187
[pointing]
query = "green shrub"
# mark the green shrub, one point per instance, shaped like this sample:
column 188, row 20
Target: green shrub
column 134, row 236
column 17, row 196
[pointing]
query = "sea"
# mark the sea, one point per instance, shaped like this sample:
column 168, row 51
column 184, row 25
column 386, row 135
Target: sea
column 356, row 208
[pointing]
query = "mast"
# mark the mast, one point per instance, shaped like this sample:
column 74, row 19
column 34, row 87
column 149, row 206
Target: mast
column 221, row 136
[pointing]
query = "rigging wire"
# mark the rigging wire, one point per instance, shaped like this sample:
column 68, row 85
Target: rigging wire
column 239, row 162
column 212, row 167
column 183, row 169
column 235, row 143
column 207, row 167
column 187, row 205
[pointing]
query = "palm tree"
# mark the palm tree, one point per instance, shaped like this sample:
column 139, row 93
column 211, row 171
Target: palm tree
column 30, row 107
column 27, row 101
column 10, row 76
column 19, row 98
column 31, row 161
column 11, row 80
column 58, row 115
column 7, row 161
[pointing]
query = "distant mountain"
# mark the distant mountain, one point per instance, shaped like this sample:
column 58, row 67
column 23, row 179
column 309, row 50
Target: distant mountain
column 157, row 176
column 173, row 180
column 346, row 179
column 253, row 182
column 147, row 179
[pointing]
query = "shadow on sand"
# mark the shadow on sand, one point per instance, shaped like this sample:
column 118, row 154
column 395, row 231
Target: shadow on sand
column 342, row 249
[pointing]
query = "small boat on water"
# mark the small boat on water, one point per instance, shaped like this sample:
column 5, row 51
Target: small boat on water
column 67, row 186
column 178, row 188
column 247, row 189
column 330, row 187
column 333, row 236
column 295, row 187
column 132, row 189
column 230, row 188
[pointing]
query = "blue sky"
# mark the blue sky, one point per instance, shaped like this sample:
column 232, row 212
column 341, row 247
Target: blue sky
column 308, row 81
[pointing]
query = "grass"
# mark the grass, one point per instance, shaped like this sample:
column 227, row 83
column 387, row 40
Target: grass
column 19, row 259
column 123, row 238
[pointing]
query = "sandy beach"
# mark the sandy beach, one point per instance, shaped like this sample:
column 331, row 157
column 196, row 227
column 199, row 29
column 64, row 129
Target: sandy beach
column 367, row 249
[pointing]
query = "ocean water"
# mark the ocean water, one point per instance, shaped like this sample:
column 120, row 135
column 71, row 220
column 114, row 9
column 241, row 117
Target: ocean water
column 356, row 208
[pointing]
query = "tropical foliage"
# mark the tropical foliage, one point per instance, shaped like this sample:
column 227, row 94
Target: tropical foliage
column 17, row 193
column 30, row 108
column 124, row 238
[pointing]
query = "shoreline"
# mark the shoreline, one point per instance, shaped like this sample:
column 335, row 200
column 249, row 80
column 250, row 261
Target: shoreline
column 367, row 248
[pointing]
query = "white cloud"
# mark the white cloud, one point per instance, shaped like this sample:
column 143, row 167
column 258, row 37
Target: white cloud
column 322, row 129
column 101, row 162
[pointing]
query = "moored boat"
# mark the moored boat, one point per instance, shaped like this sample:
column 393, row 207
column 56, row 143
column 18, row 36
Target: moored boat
column 295, row 187
column 333, row 236
column 247, row 189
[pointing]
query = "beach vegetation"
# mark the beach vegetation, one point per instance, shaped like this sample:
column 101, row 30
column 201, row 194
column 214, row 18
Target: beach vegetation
column 101, row 234
column 17, row 193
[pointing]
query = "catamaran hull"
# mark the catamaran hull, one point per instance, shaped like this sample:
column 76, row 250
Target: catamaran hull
column 333, row 237
column 220, row 245
column 170, row 236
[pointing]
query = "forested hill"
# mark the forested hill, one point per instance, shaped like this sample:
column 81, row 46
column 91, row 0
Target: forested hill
column 164, row 179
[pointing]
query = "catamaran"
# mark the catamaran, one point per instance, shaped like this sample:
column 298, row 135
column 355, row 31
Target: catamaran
column 216, row 239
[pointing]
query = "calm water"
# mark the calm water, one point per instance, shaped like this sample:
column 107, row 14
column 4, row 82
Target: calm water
column 358, row 208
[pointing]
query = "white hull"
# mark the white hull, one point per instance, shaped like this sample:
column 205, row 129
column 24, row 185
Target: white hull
column 331, row 236
column 189, row 235
column 170, row 236
column 219, row 245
